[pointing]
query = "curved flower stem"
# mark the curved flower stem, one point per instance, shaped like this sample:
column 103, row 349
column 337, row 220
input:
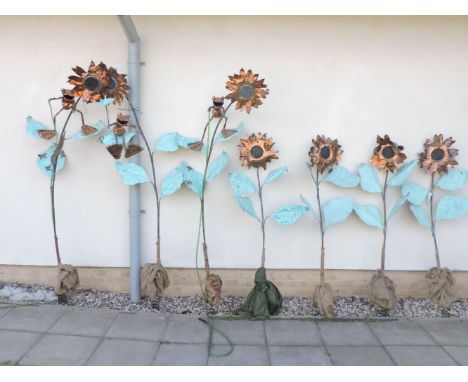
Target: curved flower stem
column 322, row 230
column 384, row 230
column 262, row 223
column 54, row 162
column 433, row 221
column 154, row 183
column 209, row 150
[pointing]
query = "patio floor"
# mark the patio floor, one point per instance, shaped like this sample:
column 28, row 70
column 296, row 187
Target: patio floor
column 62, row 335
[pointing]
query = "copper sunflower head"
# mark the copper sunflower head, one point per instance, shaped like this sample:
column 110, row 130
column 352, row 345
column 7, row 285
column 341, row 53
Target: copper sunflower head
column 324, row 153
column 121, row 124
column 68, row 100
column 256, row 151
column 117, row 87
column 90, row 84
column 388, row 156
column 437, row 155
column 246, row 90
column 217, row 110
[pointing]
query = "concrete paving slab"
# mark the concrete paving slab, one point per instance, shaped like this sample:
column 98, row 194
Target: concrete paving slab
column 4, row 310
column 458, row 353
column 32, row 318
column 347, row 333
column 13, row 344
column 420, row 356
column 183, row 329
column 141, row 326
column 401, row 333
column 117, row 352
column 359, row 356
column 93, row 323
column 447, row 332
column 292, row 332
column 299, row 356
column 243, row 355
column 240, row 332
column 181, row 355
column 60, row 350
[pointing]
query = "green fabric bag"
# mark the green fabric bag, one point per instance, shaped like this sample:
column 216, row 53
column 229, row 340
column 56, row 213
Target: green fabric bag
column 263, row 301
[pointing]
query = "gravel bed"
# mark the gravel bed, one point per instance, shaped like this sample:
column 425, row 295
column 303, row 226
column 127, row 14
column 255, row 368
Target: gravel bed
column 346, row 307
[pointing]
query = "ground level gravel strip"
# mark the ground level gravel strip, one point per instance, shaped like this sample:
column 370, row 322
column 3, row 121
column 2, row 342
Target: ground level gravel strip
column 346, row 307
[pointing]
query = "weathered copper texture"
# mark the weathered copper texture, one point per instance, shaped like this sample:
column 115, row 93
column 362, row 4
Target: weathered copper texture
column 256, row 151
column 437, row 155
column 115, row 150
column 388, row 155
column 324, row 153
column 90, row 84
column 246, row 90
column 217, row 110
column 132, row 149
column 117, row 87
column 68, row 100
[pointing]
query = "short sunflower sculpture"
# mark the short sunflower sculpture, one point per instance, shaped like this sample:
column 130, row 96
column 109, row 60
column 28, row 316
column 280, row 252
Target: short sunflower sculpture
column 246, row 93
column 257, row 151
column 438, row 160
column 325, row 154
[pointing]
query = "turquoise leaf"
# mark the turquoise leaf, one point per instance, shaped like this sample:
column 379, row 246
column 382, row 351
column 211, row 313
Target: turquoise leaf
column 241, row 184
column 223, row 137
column 218, row 165
column 131, row 173
column 44, row 160
column 33, row 126
column 451, row 207
column 99, row 126
column 454, row 180
column 171, row 142
column 337, row 210
column 414, row 192
column 400, row 202
column 112, row 139
column 288, row 215
column 342, row 177
column 246, row 204
column 403, row 173
column 420, row 215
column 309, row 206
column 369, row 178
column 275, row 174
column 172, row 181
column 105, row 101
column 193, row 179
column 369, row 214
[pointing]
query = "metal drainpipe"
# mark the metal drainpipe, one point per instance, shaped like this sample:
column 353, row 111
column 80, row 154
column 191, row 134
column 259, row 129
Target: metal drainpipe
column 134, row 63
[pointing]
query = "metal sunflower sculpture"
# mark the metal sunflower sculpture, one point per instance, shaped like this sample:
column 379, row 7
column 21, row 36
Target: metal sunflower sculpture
column 246, row 91
column 438, row 159
column 388, row 157
column 257, row 151
column 325, row 153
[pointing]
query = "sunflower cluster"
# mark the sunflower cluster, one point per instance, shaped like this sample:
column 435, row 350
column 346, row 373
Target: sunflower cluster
column 324, row 153
column 256, row 151
column 96, row 83
column 388, row 156
column 246, row 90
column 437, row 155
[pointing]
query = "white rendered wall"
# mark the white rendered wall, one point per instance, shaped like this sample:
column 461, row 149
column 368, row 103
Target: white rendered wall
column 350, row 78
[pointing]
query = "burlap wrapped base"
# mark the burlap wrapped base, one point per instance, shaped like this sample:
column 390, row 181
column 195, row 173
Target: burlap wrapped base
column 213, row 287
column 324, row 300
column 263, row 301
column 154, row 280
column 382, row 291
column 441, row 288
column 67, row 280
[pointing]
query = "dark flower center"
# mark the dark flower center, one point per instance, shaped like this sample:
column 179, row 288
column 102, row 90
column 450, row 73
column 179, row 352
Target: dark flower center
column 388, row 152
column 91, row 83
column 437, row 154
column 112, row 84
column 67, row 97
column 246, row 91
column 257, row 152
column 325, row 152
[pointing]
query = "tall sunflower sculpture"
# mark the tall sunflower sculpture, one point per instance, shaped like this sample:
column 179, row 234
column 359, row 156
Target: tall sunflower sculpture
column 325, row 154
column 257, row 151
column 438, row 160
column 246, row 92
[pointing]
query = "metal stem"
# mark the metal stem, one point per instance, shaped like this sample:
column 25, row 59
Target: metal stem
column 433, row 221
column 322, row 231
column 384, row 199
column 262, row 223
